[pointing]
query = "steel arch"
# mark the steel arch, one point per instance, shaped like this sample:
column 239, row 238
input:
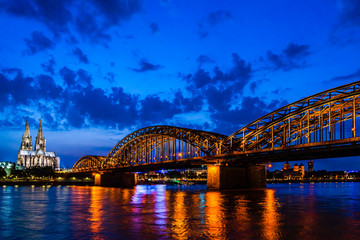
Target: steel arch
column 88, row 162
column 206, row 142
column 299, row 122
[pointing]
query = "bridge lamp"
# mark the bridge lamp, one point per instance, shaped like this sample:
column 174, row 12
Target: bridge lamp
column 353, row 129
column 180, row 154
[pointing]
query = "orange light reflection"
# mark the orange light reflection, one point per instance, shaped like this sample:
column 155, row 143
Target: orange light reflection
column 215, row 227
column 271, row 216
column 96, row 212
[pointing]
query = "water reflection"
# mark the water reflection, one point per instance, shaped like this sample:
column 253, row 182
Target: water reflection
column 172, row 212
column 96, row 212
column 271, row 216
column 215, row 221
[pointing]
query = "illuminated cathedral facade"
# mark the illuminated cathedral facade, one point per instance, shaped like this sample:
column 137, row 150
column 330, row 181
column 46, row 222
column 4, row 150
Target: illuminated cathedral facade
column 37, row 157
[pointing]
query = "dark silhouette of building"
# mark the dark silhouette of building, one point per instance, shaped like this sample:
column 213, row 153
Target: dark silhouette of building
column 311, row 166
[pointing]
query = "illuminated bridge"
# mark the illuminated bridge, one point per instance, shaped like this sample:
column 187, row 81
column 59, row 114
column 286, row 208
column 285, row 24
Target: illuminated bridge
column 319, row 126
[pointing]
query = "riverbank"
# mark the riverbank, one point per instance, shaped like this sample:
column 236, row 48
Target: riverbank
column 45, row 183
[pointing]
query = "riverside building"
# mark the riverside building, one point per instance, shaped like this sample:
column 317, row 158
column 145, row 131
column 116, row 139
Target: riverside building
column 37, row 157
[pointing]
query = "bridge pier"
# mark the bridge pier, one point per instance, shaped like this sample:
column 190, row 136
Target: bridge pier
column 236, row 177
column 125, row 180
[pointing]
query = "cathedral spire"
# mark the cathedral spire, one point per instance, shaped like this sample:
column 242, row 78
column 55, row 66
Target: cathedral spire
column 26, row 143
column 40, row 132
column 27, row 130
column 40, row 142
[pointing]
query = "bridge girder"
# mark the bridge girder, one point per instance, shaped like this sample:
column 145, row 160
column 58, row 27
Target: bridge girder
column 88, row 162
column 328, row 116
column 300, row 122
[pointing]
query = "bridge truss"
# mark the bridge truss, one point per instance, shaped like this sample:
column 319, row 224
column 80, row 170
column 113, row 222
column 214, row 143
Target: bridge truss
column 325, row 119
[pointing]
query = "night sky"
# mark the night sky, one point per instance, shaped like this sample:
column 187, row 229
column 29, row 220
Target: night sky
column 96, row 70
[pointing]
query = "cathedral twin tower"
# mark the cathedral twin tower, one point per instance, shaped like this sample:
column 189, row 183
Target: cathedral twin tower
column 38, row 157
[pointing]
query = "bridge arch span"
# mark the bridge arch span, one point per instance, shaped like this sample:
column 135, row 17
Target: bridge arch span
column 162, row 143
column 327, row 116
column 88, row 163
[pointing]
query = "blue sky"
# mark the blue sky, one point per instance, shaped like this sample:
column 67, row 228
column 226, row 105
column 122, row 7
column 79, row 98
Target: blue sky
column 95, row 71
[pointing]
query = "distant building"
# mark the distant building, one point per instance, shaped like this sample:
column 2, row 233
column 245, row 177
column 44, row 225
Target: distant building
column 302, row 169
column 38, row 157
column 296, row 168
column 310, row 165
column 287, row 166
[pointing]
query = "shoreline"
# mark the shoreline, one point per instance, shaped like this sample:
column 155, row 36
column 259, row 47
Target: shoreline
column 56, row 183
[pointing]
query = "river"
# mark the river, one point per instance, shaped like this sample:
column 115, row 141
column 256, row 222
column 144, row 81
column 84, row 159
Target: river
column 282, row 211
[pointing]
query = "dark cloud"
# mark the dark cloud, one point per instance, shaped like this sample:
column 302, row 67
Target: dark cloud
column 199, row 79
column 80, row 55
column 202, row 59
column 90, row 19
column 250, row 109
column 76, row 103
column 350, row 76
column 292, row 57
column 221, row 91
column 238, row 75
column 154, row 109
column 191, row 104
column 154, row 27
column 346, row 29
column 110, row 76
column 49, row 66
column 114, row 10
column 213, row 19
column 350, row 12
column 145, row 66
column 38, row 42
column 240, row 72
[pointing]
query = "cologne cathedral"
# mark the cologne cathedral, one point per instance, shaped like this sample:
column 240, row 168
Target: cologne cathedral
column 38, row 157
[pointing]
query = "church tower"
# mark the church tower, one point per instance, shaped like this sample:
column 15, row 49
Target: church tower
column 40, row 143
column 26, row 143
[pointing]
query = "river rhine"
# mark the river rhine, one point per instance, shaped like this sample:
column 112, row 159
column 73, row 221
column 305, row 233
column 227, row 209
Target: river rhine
column 282, row 211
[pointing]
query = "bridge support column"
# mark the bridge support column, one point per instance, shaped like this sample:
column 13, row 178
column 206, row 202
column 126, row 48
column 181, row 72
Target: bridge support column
column 234, row 177
column 126, row 180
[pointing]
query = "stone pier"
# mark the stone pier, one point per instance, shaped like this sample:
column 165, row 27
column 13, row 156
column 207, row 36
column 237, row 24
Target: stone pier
column 125, row 180
column 236, row 177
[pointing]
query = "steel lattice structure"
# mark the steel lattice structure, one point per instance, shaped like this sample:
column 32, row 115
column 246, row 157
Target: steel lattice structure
column 319, row 120
column 89, row 162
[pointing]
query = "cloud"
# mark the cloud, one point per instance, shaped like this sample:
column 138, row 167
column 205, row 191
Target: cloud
column 38, row 42
column 350, row 76
column 345, row 31
column 90, row 19
column 154, row 109
column 213, row 19
column 154, row 27
column 145, row 66
column 80, row 55
column 217, row 17
column 350, row 12
column 202, row 59
column 110, row 77
column 49, row 66
column 76, row 103
column 292, row 57
column 250, row 109
column 238, row 75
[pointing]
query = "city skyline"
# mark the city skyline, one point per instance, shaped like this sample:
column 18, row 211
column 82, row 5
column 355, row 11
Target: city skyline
column 98, row 74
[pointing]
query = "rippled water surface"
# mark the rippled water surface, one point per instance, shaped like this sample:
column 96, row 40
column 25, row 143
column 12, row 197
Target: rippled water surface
column 283, row 211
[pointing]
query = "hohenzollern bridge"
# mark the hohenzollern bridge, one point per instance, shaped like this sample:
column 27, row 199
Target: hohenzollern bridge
column 319, row 126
